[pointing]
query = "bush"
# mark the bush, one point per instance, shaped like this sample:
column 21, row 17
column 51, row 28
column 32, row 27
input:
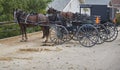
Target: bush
column 9, row 30
column 14, row 30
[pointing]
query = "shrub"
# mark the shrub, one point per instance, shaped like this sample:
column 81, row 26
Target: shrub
column 14, row 30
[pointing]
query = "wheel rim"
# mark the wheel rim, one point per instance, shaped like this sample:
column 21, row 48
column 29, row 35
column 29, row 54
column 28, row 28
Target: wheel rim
column 58, row 34
column 88, row 35
column 102, row 34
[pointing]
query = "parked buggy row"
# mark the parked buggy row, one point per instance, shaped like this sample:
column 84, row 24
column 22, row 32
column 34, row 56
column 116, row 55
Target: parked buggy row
column 87, row 32
column 91, row 26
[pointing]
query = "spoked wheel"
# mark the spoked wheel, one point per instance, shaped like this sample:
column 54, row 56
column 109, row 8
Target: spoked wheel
column 102, row 33
column 114, row 36
column 112, row 31
column 58, row 34
column 65, row 33
column 72, row 33
column 87, row 35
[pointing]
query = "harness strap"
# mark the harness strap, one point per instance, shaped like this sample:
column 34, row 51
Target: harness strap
column 27, row 18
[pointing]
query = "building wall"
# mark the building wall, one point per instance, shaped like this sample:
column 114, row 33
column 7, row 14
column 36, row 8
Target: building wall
column 72, row 6
column 116, row 4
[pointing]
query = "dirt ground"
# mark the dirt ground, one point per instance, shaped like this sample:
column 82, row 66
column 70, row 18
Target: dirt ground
column 34, row 55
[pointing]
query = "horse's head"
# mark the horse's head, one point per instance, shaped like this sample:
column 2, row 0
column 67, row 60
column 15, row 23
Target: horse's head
column 51, row 14
column 51, row 11
column 17, row 14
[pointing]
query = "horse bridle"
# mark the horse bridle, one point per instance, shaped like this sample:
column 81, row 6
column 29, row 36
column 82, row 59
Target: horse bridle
column 15, row 15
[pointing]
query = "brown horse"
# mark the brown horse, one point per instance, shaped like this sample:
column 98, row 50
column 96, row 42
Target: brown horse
column 65, row 15
column 29, row 20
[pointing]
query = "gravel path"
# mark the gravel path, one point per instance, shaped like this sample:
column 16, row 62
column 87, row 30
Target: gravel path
column 33, row 55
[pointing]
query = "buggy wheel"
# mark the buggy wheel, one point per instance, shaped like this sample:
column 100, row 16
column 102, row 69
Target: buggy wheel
column 102, row 33
column 112, row 31
column 58, row 34
column 87, row 35
column 114, row 36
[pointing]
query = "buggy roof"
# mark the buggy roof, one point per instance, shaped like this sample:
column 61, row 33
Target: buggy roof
column 89, row 5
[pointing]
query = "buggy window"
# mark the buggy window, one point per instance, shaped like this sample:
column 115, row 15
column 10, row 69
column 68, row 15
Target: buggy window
column 86, row 11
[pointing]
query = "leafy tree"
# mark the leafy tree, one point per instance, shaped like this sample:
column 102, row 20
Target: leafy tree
column 7, row 6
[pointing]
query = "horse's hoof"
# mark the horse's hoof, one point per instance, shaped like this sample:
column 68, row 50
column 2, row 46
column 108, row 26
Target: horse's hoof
column 25, row 40
column 43, row 37
column 21, row 40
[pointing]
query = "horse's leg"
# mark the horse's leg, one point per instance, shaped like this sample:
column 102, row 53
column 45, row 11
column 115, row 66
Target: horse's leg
column 25, row 33
column 43, row 30
column 21, row 30
column 47, row 33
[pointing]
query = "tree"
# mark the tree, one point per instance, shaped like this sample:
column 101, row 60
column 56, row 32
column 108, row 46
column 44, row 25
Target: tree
column 7, row 6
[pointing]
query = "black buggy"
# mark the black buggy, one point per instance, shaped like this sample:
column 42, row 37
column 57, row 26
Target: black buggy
column 91, row 26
